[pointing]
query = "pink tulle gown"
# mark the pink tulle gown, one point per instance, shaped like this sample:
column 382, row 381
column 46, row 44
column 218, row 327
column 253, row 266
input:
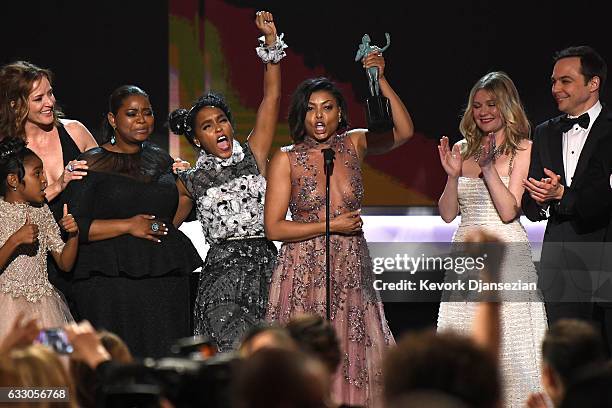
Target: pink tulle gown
column 24, row 285
column 298, row 282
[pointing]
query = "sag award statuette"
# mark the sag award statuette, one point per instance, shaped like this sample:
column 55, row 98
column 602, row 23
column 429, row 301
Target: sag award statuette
column 378, row 110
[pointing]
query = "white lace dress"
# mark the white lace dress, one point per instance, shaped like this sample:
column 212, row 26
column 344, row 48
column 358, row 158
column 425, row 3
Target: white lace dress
column 523, row 323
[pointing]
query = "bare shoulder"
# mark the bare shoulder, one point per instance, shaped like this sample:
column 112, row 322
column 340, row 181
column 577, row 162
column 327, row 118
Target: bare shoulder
column 358, row 138
column 356, row 134
column 462, row 144
column 280, row 157
column 74, row 126
column 525, row 147
column 80, row 134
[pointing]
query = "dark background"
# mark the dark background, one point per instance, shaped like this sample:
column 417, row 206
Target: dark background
column 438, row 50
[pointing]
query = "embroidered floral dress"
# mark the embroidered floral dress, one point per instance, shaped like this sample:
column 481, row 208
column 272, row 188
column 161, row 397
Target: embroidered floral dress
column 24, row 284
column 234, row 283
column 298, row 283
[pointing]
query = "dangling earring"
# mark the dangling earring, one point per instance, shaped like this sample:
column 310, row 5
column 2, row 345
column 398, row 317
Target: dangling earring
column 197, row 143
column 113, row 139
column 14, row 188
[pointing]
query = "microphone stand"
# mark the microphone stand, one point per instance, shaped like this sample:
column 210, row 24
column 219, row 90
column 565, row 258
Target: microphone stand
column 328, row 158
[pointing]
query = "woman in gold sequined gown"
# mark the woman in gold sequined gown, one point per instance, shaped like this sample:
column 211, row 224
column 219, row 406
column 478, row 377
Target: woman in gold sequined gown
column 485, row 174
column 296, row 181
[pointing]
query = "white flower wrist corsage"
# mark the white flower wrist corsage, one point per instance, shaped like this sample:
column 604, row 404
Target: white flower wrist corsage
column 271, row 53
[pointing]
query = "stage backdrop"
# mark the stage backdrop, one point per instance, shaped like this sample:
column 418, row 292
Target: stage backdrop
column 212, row 47
column 176, row 49
column 437, row 52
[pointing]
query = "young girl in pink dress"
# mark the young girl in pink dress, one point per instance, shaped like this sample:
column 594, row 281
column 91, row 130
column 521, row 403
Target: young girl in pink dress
column 27, row 232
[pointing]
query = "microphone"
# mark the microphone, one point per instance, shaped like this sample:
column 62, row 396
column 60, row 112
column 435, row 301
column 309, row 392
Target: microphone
column 328, row 159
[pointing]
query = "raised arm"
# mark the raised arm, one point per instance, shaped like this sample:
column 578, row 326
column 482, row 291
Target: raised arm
column 278, row 193
column 260, row 139
column 403, row 128
column 388, row 37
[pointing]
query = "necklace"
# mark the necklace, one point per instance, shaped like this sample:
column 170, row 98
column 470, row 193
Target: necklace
column 497, row 151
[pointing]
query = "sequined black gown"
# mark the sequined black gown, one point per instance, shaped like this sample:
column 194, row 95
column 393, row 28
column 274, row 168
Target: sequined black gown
column 134, row 287
column 233, row 288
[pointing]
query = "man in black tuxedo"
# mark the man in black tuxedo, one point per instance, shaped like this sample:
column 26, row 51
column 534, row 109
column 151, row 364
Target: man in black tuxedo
column 560, row 156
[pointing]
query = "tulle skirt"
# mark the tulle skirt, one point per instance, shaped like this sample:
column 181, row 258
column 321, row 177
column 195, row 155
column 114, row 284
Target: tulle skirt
column 51, row 311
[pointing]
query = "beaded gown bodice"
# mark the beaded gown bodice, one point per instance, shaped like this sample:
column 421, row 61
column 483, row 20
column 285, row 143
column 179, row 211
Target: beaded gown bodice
column 25, row 273
column 307, row 203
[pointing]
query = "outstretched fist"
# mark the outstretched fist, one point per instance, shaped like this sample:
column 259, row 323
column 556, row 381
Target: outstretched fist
column 264, row 20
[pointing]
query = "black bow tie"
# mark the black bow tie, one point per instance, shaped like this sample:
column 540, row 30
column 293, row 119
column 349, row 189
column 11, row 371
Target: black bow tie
column 568, row 123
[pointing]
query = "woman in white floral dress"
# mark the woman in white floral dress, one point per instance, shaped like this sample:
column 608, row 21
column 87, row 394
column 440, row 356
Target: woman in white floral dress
column 227, row 186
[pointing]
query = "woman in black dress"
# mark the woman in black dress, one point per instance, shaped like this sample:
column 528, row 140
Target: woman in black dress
column 132, row 273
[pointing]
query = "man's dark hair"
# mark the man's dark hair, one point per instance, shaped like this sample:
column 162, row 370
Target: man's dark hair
column 591, row 62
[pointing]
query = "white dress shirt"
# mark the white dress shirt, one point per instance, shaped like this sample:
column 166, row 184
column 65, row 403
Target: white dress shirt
column 573, row 142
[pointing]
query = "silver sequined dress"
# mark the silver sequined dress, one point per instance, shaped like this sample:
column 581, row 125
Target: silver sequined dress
column 523, row 323
column 298, row 282
column 24, row 284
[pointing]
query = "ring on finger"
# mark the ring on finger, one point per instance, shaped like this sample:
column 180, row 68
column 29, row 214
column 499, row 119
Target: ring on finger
column 70, row 167
column 155, row 226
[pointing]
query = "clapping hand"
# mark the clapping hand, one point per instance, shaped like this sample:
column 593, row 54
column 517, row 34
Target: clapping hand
column 487, row 157
column 545, row 190
column 451, row 160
